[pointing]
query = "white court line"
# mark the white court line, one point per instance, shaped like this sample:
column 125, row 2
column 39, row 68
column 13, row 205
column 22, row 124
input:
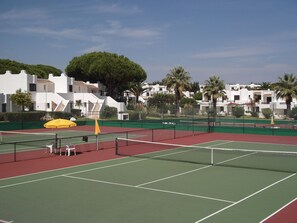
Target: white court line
column 147, row 188
column 2, row 221
column 70, row 167
column 274, row 213
column 176, row 175
column 245, row 198
column 29, row 181
column 46, row 178
column 191, row 171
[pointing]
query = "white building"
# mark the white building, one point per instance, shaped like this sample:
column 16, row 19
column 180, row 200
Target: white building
column 237, row 95
column 57, row 93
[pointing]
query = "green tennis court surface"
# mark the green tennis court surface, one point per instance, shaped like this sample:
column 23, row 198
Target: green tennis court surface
column 140, row 189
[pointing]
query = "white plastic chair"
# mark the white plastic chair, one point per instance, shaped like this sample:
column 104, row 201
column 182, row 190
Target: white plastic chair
column 50, row 147
column 68, row 150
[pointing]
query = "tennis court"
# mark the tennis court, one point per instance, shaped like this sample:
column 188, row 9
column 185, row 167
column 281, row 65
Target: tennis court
column 162, row 185
column 26, row 141
column 17, row 146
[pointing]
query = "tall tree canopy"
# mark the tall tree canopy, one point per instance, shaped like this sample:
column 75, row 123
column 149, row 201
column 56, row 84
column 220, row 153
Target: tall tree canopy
column 179, row 80
column 286, row 88
column 22, row 99
column 114, row 71
column 41, row 71
column 214, row 88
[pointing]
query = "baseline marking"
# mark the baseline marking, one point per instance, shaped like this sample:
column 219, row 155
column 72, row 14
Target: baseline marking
column 245, row 198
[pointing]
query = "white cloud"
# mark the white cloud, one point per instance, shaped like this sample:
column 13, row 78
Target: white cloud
column 235, row 52
column 114, row 9
column 63, row 33
column 26, row 14
column 115, row 28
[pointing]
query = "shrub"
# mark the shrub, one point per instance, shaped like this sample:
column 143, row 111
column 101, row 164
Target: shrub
column 293, row 113
column 134, row 115
column 65, row 115
column 237, row 111
column 76, row 112
column 267, row 112
column 22, row 116
column 1, row 116
column 109, row 112
column 253, row 114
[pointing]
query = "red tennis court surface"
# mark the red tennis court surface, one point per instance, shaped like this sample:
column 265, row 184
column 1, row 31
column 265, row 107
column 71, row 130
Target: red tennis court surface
column 287, row 214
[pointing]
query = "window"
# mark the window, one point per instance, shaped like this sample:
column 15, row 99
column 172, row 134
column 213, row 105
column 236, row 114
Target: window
column 236, row 97
column 32, row 87
column 70, row 88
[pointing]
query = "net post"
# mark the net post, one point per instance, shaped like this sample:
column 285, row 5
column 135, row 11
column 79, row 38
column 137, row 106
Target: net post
column 174, row 129
column 117, row 146
column 152, row 135
column 211, row 161
column 15, row 152
column 56, row 142
column 97, row 147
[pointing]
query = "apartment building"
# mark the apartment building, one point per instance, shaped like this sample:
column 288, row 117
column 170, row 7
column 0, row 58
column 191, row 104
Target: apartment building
column 247, row 96
column 57, row 93
column 63, row 93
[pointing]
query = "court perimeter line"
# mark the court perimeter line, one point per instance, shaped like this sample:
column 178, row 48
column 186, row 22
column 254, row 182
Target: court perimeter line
column 147, row 188
column 283, row 207
column 2, row 221
column 29, row 181
column 245, row 198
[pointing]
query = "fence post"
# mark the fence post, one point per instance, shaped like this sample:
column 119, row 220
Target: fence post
column 14, row 152
column 116, row 146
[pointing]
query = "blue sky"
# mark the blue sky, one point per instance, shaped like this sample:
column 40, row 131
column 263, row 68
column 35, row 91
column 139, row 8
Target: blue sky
column 242, row 41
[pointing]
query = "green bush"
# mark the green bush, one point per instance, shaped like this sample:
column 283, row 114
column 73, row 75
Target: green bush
column 22, row 116
column 238, row 111
column 1, row 116
column 293, row 113
column 65, row 115
column 267, row 112
column 76, row 112
column 134, row 115
column 152, row 111
column 109, row 112
column 253, row 114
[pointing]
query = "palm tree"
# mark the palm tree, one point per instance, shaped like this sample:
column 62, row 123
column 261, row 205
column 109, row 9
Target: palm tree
column 137, row 89
column 265, row 86
column 214, row 88
column 178, row 79
column 286, row 88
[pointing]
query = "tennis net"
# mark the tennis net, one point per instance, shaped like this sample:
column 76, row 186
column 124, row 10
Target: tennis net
column 16, row 137
column 282, row 161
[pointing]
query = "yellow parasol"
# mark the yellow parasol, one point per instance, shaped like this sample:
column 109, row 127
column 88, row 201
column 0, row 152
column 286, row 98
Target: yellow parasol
column 97, row 128
column 59, row 123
